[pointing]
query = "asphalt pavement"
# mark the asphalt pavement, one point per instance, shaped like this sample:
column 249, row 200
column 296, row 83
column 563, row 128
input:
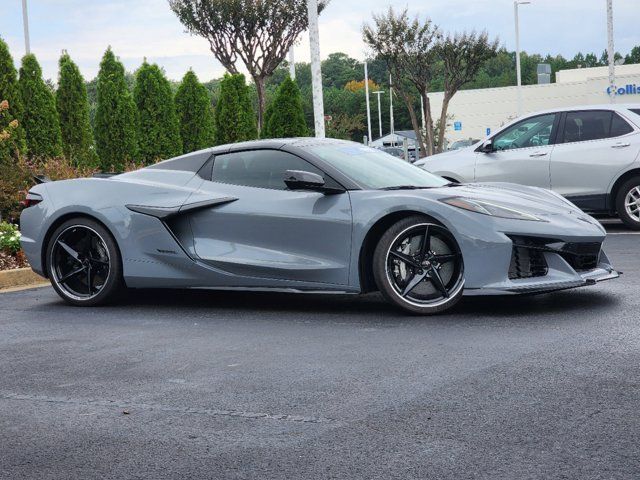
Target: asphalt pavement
column 196, row 384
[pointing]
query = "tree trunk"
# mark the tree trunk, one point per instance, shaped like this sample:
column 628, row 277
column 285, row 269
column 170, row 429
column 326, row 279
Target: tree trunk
column 443, row 121
column 428, row 121
column 414, row 120
column 259, row 81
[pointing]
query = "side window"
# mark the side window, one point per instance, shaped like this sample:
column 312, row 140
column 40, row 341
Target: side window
column 258, row 168
column 635, row 110
column 619, row 126
column 587, row 125
column 531, row 132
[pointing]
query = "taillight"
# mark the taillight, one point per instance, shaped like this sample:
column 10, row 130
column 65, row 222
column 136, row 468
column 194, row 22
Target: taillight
column 31, row 199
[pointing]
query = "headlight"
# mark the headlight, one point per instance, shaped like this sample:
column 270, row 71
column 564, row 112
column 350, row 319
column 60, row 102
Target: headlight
column 486, row 208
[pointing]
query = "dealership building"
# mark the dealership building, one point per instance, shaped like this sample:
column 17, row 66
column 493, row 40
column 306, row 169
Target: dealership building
column 476, row 113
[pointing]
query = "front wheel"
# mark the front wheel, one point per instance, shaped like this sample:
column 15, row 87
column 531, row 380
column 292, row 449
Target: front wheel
column 83, row 263
column 418, row 266
column 628, row 203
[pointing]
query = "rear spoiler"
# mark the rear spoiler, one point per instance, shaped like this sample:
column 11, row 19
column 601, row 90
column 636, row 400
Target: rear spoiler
column 41, row 179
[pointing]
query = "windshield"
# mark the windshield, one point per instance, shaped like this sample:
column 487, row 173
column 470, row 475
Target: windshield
column 372, row 168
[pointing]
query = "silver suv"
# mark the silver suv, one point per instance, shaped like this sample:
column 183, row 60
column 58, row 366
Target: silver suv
column 589, row 154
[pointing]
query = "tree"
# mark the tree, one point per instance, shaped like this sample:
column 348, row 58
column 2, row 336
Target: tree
column 158, row 127
column 406, row 46
column 234, row 117
column 633, row 56
column 40, row 119
column 339, row 68
column 462, row 55
column 115, row 130
column 73, row 114
column 9, row 92
column 358, row 85
column 194, row 114
column 259, row 33
column 344, row 125
column 286, row 116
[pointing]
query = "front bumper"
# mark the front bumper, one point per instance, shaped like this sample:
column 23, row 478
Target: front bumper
column 560, row 276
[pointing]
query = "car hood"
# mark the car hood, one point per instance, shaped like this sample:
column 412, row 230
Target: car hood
column 533, row 200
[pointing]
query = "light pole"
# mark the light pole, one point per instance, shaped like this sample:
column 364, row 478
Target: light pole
column 518, row 72
column 379, row 92
column 391, row 112
column 292, row 64
column 316, row 76
column 25, row 22
column 366, row 90
column 611, row 53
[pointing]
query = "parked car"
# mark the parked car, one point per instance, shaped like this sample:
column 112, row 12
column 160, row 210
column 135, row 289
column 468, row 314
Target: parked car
column 306, row 215
column 588, row 154
column 458, row 144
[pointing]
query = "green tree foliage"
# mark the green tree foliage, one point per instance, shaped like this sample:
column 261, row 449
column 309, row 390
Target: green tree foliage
column 9, row 91
column 234, row 116
column 40, row 119
column 73, row 113
column 285, row 116
column 115, row 123
column 194, row 114
column 158, row 127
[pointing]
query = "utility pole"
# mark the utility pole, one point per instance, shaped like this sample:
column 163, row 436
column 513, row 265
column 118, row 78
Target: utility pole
column 379, row 92
column 316, row 74
column 366, row 90
column 518, row 71
column 611, row 53
column 391, row 112
column 292, row 64
column 25, row 22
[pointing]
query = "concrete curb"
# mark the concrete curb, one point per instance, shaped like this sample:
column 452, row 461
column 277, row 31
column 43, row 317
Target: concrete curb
column 20, row 277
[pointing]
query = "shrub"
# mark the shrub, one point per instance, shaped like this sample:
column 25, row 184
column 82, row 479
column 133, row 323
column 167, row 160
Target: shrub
column 285, row 116
column 9, row 238
column 235, row 120
column 195, row 114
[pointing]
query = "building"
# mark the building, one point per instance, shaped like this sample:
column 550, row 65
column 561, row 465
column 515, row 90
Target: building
column 477, row 113
column 396, row 139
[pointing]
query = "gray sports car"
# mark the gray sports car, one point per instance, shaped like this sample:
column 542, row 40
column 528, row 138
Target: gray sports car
column 306, row 215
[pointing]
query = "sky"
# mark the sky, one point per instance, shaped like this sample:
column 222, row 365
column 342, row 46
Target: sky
column 148, row 28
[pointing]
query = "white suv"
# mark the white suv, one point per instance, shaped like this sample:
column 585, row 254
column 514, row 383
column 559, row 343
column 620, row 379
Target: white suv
column 590, row 155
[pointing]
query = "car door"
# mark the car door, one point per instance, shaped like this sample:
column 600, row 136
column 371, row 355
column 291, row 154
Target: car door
column 521, row 153
column 269, row 231
column 593, row 147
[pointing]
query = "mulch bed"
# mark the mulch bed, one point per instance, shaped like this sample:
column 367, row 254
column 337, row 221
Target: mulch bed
column 10, row 262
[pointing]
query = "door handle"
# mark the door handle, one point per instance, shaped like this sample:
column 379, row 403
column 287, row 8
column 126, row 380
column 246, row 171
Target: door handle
column 538, row 154
column 620, row 145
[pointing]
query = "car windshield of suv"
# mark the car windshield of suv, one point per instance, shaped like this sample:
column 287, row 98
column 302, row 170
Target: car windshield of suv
column 374, row 169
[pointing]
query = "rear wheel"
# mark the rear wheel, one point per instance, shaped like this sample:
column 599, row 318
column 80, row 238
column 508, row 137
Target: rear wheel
column 83, row 263
column 418, row 266
column 628, row 203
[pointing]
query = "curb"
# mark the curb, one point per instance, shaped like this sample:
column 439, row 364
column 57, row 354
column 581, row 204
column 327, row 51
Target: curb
column 20, row 277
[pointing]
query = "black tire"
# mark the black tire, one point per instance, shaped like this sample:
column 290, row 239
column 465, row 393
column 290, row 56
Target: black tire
column 419, row 277
column 630, row 215
column 83, row 263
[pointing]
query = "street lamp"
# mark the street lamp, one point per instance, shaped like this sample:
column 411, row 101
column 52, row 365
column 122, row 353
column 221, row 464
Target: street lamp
column 25, row 23
column 379, row 92
column 391, row 112
column 316, row 76
column 518, row 72
column 366, row 91
column 611, row 53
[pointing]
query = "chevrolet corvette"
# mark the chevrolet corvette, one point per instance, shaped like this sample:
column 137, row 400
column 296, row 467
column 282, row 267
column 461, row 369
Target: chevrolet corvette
column 306, row 215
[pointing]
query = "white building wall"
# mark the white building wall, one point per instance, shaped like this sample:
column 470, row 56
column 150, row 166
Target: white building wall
column 491, row 108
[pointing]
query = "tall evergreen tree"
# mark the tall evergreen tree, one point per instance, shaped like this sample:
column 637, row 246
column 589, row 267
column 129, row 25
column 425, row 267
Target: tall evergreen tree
column 158, row 127
column 40, row 119
column 234, row 116
column 115, row 124
column 9, row 91
column 73, row 113
column 194, row 113
column 285, row 114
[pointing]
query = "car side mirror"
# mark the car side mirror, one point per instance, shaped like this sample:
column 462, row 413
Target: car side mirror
column 302, row 180
column 486, row 147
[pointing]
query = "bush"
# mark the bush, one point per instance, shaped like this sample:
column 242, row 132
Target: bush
column 285, row 116
column 9, row 238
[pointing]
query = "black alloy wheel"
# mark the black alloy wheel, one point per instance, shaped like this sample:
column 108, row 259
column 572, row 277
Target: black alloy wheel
column 419, row 267
column 83, row 263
